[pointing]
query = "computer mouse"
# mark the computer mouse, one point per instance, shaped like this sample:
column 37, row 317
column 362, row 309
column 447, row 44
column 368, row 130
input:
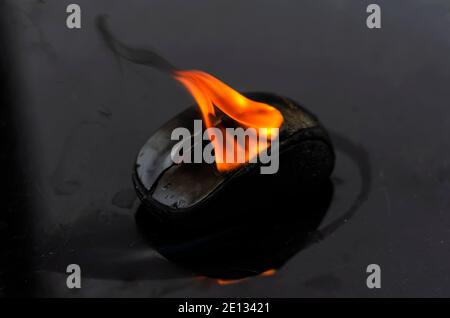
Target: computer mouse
column 193, row 191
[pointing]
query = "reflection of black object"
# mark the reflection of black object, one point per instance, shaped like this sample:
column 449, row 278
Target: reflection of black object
column 174, row 191
column 267, row 235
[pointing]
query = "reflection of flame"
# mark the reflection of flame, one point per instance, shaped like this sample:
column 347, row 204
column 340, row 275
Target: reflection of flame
column 229, row 281
column 266, row 273
column 209, row 92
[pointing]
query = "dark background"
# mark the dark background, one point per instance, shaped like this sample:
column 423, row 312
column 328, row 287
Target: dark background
column 74, row 117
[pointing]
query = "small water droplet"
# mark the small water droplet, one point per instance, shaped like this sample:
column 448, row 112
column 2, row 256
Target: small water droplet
column 179, row 204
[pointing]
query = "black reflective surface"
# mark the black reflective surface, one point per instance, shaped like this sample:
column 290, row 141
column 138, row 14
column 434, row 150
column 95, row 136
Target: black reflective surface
column 77, row 117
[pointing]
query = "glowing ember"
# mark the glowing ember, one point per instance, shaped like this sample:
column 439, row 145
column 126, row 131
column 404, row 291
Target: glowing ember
column 209, row 92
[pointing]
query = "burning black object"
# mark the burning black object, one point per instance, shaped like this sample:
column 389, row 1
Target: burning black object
column 176, row 190
column 306, row 159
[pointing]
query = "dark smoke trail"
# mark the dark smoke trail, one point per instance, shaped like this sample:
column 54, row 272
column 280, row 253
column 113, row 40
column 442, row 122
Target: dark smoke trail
column 135, row 55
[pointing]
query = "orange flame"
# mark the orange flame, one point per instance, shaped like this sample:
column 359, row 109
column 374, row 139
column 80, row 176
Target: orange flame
column 209, row 92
